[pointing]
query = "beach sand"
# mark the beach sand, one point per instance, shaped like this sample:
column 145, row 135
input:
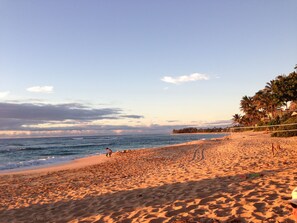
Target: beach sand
column 234, row 179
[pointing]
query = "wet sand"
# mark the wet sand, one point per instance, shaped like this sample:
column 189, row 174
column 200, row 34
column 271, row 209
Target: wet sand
column 234, row 179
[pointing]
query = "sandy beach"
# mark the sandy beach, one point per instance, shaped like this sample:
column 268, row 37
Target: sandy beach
column 234, row 179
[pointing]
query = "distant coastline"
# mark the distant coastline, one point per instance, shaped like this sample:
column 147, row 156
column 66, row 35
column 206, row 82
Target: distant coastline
column 193, row 130
column 200, row 133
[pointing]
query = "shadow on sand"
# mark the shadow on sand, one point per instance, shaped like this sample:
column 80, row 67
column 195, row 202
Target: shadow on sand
column 220, row 196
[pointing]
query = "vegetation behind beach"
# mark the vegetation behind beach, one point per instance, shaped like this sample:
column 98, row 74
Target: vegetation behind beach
column 273, row 108
column 275, row 104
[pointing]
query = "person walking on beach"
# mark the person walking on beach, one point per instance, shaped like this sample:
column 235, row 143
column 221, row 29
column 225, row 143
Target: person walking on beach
column 108, row 152
column 293, row 203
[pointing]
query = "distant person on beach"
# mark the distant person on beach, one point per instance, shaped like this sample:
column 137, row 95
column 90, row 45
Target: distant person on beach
column 293, row 203
column 108, row 152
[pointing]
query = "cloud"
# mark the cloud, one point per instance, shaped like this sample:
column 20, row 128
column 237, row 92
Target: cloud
column 185, row 78
column 40, row 120
column 59, row 112
column 41, row 89
column 84, row 129
column 220, row 123
column 3, row 94
column 29, row 116
column 91, row 130
column 132, row 116
column 171, row 121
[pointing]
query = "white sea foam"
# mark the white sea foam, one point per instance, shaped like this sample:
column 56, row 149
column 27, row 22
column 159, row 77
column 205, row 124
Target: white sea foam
column 32, row 163
column 30, row 153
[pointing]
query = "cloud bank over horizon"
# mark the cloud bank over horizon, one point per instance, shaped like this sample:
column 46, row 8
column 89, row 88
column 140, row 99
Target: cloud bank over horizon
column 185, row 78
column 4, row 94
column 37, row 116
column 41, row 89
column 47, row 120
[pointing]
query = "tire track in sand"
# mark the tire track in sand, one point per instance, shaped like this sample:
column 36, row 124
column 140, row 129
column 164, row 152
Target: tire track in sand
column 201, row 155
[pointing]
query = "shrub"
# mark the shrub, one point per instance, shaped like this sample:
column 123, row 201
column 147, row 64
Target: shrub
column 283, row 133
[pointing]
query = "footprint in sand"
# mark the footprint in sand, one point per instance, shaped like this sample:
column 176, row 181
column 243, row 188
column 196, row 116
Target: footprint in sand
column 223, row 213
column 157, row 220
column 205, row 200
column 174, row 213
column 260, row 207
column 272, row 197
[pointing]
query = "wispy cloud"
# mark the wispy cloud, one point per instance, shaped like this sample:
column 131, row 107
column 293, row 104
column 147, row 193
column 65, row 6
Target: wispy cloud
column 3, row 94
column 41, row 89
column 171, row 121
column 87, row 130
column 185, row 78
column 221, row 123
column 132, row 116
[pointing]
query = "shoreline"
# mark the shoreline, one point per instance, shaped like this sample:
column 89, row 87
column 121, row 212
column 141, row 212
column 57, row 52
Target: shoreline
column 83, row 161
column 71, row 164
column 86, row 161
column 200, row 133
column 230, row 179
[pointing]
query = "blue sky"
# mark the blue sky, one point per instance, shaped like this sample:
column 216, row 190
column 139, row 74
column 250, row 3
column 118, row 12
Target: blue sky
column 136, row 66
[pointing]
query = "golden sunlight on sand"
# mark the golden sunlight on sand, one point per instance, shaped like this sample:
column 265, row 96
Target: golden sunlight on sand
column 235, row 179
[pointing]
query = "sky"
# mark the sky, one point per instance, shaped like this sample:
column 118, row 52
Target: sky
column 74, row 67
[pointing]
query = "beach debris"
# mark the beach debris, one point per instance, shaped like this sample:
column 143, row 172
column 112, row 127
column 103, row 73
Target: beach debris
column 125, row 151
column 255, row 175
column 250, row 176
column 242, row 176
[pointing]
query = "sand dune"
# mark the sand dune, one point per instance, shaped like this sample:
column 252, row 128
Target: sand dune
column 235, row 179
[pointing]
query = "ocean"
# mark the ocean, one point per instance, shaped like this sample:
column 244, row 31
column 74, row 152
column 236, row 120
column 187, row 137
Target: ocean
column 28, row 153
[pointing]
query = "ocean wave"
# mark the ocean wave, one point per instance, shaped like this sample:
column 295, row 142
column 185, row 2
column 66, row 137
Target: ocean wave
column 33, row 163
column 43, row 151
column 85, row 145
column 16, row 144
column 78, row 138
column 67, row 152
column 12, row 149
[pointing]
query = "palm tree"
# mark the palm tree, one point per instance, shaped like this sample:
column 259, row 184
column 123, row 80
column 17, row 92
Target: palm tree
column 273, row 97
column 246, row 104
column 237, row 119
column 268, row 101
column 285, row 88
column 261, row 101
column 252, row 115
column 245, row 120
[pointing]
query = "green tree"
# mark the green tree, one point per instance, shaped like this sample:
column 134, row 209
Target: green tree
column 274, row 100
column 237, row 119
column 262, row 100
column 248, row 107
column 268, row 102
column 285, row 88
